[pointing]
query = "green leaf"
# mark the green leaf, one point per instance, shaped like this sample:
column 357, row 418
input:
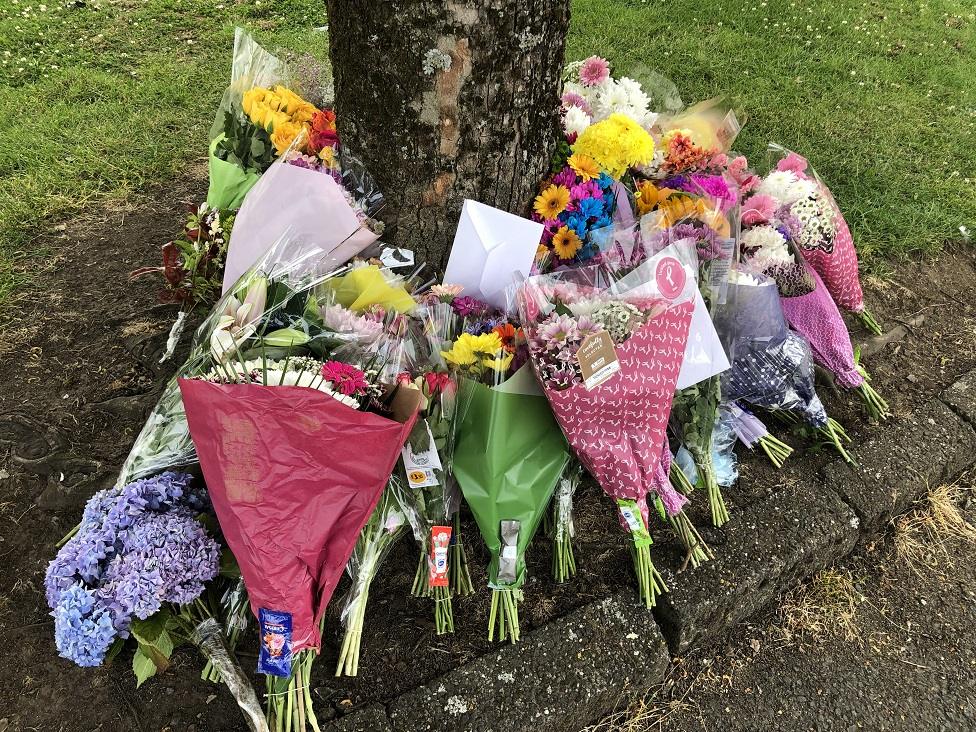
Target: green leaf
column 228, row 564
column 142, row 667
column 147, row 631
column 114, row 649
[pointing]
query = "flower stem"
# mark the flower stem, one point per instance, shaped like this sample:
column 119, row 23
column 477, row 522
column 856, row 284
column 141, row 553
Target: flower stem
column 459, row 575
column 421, row 582
column 835, row 435
column 649, row 581
column 776, row 450
column 697, row 551
column 869, row 322
column 504, row 610
column 680, row 481
column 706, row 471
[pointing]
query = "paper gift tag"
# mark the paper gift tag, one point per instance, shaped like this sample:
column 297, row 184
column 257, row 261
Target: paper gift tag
column 597, row 359
column 420, row 467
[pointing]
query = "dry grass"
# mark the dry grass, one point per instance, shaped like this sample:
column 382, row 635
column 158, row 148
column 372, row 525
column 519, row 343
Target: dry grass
column 825, row 607
column 927, row 539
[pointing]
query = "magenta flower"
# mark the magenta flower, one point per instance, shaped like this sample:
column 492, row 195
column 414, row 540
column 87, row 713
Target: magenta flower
column 595, row 70
column 346, row 379
column 465, row 306
column 565, row 177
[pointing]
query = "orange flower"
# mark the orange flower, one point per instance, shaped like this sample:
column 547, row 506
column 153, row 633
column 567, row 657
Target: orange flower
column 510, row 335
column 584, row 166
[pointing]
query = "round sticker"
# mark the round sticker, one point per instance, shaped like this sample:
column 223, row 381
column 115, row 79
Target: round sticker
column 670, row 277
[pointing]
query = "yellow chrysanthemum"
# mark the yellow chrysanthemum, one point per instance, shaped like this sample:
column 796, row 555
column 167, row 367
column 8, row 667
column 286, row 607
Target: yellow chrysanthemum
column 284, row 135
column 565, row 243
column 584, row 166
column 460, row 353
column 551, row 202
column 616, row 144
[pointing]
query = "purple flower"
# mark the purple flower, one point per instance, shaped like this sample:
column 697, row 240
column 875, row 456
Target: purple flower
column 83, row 628
column 466, row 305
column 565, row 177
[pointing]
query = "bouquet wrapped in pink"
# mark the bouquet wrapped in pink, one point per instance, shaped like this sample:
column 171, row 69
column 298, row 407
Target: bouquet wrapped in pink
column 607, row 352
column 822, row 234
column 772, row 233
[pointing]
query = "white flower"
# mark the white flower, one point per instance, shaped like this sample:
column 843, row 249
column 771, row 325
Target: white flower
column 786, row 187
column 611, row 99
column 769, row 245
column 575, row 120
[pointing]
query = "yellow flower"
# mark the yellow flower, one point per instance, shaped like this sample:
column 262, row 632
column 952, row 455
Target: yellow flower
column 565, row 243
column 648, row 196
column 290, row 101
column 677, row 208
column 284, row 134
column 327, row 155
column 251, row 98
column 499, row 363
column 460, row 353
column 584, row 166
column 616, row 144
column 304, row 113
column 552, row 202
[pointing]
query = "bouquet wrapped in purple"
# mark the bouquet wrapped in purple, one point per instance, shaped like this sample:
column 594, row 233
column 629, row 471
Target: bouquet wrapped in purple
column 772, row 366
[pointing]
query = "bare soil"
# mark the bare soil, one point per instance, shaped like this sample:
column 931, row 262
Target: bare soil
column 79, row 364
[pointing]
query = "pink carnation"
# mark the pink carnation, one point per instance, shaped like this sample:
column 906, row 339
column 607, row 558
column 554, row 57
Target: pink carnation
column 758, row 210
column 793, row 163
column 345, row 378
column 745, row 179
column 595, row 70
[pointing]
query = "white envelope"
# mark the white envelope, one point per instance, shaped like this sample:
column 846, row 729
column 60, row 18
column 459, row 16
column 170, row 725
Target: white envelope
column 490, row 247
column 704, row 355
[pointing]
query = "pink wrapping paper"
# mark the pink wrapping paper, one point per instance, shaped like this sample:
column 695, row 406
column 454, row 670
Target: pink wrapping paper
column 838, row 266
column 815, row 316
column 293, row 475
column 306, row 205
column 618, row 428
column 673, row 501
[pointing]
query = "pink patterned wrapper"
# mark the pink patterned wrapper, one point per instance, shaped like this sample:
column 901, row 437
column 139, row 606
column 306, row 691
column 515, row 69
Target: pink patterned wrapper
column 836, row 261
column 672, row 500
column 618, row 428
column 815, row 316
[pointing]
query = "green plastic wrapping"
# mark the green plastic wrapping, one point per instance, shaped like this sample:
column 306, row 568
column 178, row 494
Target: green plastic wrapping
column 229, row 183
column 509, row 456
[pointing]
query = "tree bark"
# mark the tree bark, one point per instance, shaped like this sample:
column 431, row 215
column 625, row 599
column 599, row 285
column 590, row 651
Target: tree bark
column 446, row 100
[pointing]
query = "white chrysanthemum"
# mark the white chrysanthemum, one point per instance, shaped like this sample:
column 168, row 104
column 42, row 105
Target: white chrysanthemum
column 610, row 99
column 638, row 100
column 769, row 245
column 779, row 185
column 586, row 306
column 803, row 188
column 575, row 120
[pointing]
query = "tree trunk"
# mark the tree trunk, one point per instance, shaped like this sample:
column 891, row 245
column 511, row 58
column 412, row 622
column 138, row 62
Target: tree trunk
column 446, row 100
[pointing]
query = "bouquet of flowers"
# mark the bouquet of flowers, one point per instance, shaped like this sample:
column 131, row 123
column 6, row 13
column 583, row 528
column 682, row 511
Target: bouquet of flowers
column 143, row 565
column 193, row 265
column 770, row 232
column 591, row 94
column 820, row 230
column 508, row 457
column 772, row 366
column 695, row 408
column 289, row 374
column 607, row 352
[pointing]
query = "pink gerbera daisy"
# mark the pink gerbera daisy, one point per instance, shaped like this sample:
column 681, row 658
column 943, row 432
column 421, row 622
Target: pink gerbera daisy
column 345, row 378
column 595, row 70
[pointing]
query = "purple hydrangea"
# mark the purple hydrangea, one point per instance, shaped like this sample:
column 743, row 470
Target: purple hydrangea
column 136, row 548
column 83, row 627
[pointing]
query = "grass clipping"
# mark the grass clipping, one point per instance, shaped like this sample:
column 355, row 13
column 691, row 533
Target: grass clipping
column 927, row 539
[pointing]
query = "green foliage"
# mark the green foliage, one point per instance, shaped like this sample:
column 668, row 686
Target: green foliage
column 245, row 144
column 155, row 645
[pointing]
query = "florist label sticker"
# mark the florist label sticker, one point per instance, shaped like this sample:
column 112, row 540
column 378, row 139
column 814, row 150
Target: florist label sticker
column 440, row 540
column 275, row 655
column 670, row 277
column 597, row 359
column 421, row 467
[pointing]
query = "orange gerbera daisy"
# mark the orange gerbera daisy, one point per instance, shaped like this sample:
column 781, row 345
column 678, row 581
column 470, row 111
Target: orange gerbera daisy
column 510, row 336
column 552, row 202
column 565, row 243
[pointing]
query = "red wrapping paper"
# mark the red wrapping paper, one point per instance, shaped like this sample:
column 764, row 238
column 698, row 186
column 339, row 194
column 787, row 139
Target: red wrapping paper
column 293, row 475
column 618, row 428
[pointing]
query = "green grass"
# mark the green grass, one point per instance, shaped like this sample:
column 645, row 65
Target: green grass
column 102, row 100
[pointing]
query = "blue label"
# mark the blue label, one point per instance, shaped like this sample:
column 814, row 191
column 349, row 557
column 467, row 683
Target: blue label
column 275, row 655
